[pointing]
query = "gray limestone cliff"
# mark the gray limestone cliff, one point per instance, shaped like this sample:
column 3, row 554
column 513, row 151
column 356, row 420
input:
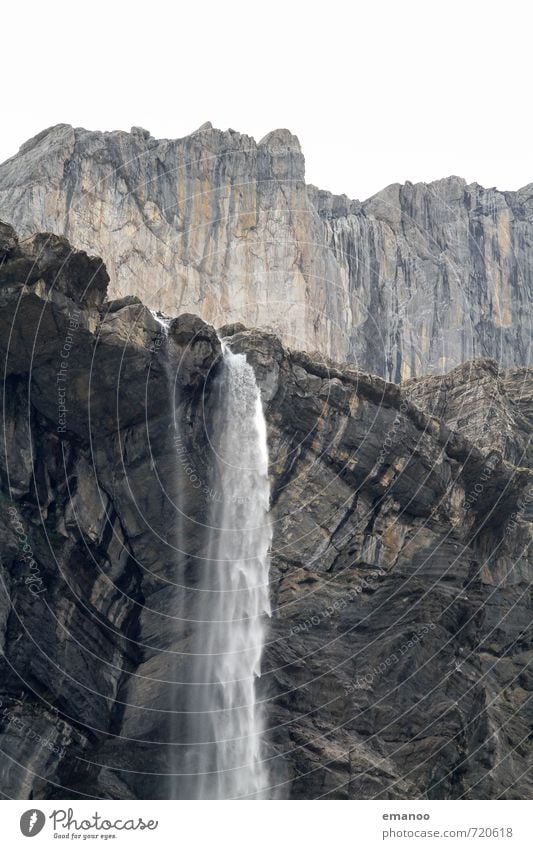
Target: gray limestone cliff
column 397, row 660
column 416, row 280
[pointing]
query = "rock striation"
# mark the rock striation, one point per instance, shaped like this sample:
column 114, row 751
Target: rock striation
column 397, row 662
column 416, row 280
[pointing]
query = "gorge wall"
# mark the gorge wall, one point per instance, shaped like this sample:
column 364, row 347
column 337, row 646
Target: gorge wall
column 414, row 281
column 397, row 660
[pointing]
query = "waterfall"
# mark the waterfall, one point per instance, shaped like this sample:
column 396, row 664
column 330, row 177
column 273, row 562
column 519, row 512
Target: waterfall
column 232, row 597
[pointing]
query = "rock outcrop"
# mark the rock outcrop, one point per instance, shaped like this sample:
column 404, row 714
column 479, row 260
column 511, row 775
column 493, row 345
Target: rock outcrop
column 397, row 658
column 416, row 280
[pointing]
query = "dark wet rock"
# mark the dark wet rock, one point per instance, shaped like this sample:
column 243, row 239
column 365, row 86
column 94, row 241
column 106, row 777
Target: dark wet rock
column 231, row 329
column 120, row 303
column 198, row 348
column 8, row 241
column 50, row 261
column 396, row 662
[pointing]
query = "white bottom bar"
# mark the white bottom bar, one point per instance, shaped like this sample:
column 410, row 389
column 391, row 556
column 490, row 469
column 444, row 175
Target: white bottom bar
column 269, row 825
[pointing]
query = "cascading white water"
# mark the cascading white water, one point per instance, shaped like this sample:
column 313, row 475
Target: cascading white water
column 233, row 598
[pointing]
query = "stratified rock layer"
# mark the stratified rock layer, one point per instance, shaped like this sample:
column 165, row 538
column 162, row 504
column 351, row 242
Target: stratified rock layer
column 398, row 657
column 414, row 281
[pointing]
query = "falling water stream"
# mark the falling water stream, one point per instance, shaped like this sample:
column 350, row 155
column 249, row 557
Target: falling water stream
column 232, row 598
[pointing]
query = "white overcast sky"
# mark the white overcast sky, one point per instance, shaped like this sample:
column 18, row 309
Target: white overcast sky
column 377, row 92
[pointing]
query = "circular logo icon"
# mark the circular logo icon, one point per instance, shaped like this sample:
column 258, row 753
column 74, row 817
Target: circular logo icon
column 32, row 822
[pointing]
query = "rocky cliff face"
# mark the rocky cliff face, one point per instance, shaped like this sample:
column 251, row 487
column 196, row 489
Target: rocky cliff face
column 414, row 281
column 397, row 656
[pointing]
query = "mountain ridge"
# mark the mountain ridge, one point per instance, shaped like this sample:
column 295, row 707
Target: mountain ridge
column 42, row 134
column 30, row 143
column 414, row 280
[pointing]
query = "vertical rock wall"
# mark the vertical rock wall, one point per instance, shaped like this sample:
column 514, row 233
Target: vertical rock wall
column 416, row 280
